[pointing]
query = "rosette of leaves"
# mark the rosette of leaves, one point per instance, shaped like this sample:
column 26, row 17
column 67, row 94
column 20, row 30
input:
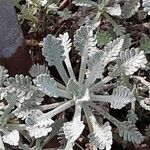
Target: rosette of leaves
column 81, row 92
column 78, row 92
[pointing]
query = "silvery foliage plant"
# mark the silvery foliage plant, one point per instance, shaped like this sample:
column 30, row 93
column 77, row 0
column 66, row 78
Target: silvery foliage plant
column 24, row 115
column 24, row 97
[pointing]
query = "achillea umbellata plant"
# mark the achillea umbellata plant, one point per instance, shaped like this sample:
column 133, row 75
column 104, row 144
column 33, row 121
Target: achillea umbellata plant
column 24, row 97
column 24, row 116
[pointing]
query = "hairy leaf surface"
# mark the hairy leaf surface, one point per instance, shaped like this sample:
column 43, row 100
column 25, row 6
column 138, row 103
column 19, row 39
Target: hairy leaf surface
column 73, row 87
column 86, row 3
column 130, row 133
column 102, row 137
column 130, row 8
column 132, row 60
column 121, row 96
column 11, row 138
column 145, row 45
column 114, row 10
column 47, row 85
column 38, row 69
column 66, row 42
column 3, row 75
column 112, row 50
column 84, row 39
column 53, row 51
column 146, row 5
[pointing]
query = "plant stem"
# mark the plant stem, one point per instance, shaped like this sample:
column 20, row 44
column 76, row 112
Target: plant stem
column 83, row 67
column 59, row 109
column 105, row 114
column 51, row 106
column 89, row 80
column 114, row 24
column 89, row 117
column 110, row 19
column 69, row 67
column 16, row 126
column 101, row 83
column 102, row 98
column 77, row 114
column 38, row 143
column 63, row 93
column 62, row 73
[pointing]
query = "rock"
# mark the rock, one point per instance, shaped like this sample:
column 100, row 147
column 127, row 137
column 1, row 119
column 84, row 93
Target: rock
column 11, row 35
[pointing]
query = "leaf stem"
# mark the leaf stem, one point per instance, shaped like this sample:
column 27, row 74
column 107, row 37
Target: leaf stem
column 91, row 78
column 38, row 143
column 16, row 126
column 51, row 106
column 62, row 73
column 69, row 67
column 101, row 83
column 83, row 67
column 105, row 114
column 89, row 117
column 77, row 114
column 63, row 93
column 59, row 109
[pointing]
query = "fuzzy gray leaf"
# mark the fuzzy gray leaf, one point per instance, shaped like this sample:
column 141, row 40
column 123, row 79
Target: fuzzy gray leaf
column 102, row 138
column 53, row 51
column 114, row 10
column 46, row 84
column 132, row 116
column 146, row 5
column 66, row 42
column 130, row 133
column 121, row 96
column 119, row 30
column 3, row 75
column 130, row 8
column 145, row 45
column 96, row 65
column 73, row 87
column 103, row 37
column 84, row 39
column 112, row 50
column 86, row 3
column 38, row 69
column 132, row 60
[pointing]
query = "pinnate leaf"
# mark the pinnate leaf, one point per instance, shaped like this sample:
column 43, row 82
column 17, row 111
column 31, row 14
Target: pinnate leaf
column 53, row 51
column 84, row 39
column 102, row 137
column 132, row 60
column 130, row 133
column 46, row 84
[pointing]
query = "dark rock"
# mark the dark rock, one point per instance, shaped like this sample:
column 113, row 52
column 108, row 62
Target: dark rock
column 11, row 36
